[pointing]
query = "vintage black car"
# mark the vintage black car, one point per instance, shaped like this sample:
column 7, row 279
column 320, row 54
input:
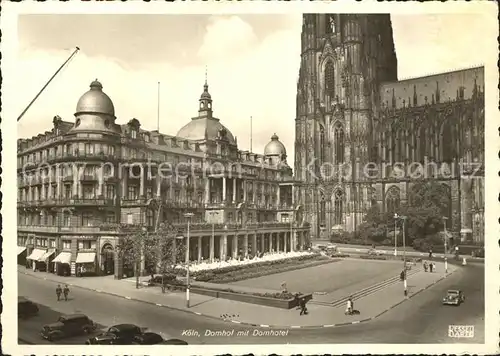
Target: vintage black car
column 174, row 342
column 26, row 308
column 67, row 326
column 121, row 334
column 148, row 338
column 454, row 297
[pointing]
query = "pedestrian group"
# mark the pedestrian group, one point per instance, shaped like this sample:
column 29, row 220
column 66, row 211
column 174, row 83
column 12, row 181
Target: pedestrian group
column 62, row 291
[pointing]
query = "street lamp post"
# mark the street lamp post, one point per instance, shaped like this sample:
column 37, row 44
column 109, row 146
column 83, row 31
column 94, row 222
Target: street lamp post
column 404, row 255
column 403, row 219
column 395, row 234
column 445, row 245
column 188, row 216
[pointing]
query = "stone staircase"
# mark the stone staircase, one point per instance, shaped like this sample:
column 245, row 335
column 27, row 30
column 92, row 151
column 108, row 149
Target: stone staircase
column 366, row 291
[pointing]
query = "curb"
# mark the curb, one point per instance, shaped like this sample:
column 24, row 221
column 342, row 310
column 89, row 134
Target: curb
column 242, row 322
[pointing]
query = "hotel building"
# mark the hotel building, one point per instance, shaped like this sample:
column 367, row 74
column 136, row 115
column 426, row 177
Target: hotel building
column 81, row 177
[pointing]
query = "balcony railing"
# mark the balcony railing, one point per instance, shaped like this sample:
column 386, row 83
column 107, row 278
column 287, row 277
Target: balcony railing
column 78, row 229
column 67, row 202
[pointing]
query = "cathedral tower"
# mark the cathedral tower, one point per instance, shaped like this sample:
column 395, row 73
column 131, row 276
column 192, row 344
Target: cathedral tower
column 344, row 59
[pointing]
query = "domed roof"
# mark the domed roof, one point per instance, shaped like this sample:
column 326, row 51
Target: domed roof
column 95, row 101
column 205, row 94
column 274, row 147
column 205, row 129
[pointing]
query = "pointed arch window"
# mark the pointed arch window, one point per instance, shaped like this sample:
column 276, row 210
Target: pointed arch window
column 321, row 144
column 338, row 207
column 448, row 142
column 322, row 209
column 394, row 144
column 338, row 134
column 422, row 144
column 392, row 200
column 330, row 79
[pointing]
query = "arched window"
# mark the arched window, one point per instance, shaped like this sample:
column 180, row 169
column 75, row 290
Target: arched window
column 339, row 207
column 394, row 144
column 338, row 134
column 330, row 79
column 448, row 142
column 321, row 144
column 422, row 142
column 392, row 200
column 401, row 143
column 322, row 210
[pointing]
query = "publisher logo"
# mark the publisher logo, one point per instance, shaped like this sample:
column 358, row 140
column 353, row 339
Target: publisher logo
column 459, row 331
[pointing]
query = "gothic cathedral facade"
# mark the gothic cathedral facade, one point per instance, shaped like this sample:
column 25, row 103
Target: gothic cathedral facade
column 360, row 134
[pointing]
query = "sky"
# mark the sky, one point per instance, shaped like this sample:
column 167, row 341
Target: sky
column 252, row 64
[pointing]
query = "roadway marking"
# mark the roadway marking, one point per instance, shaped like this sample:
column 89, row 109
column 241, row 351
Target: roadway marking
column 264, row 325
column 329, row 326
column 236, row 321
column 355, row 322
column 159, row 305
column 197, row 313
column 295, row 327
column 128, row 298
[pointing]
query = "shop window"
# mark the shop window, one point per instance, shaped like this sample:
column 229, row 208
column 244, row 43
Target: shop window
column 86, row 245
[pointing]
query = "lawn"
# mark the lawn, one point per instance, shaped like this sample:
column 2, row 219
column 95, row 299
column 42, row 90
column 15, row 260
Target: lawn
column 350, row 275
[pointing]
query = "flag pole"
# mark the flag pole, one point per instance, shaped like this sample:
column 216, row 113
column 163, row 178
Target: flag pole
column 158, row 110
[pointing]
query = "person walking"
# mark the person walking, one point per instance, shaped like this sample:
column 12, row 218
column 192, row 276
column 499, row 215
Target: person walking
column 66, row 292
column 430, row 253
column 303, row 309
column 431, row 267
column 349, row 307
column 58, row 292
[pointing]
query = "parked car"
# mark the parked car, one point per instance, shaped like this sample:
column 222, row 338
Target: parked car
column 148, row 338
column 174, row 342
column 121, row 334
column 454, row 297
column 26, row 308
column 67, row 326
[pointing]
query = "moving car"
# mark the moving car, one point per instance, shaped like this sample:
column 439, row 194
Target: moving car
column 26, row 308
column 174, row 342
column 148, row 338
column 67, row 326
column 454, row 297
column 121, row 334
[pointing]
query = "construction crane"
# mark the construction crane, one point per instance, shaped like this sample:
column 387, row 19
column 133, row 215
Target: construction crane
column 46, row 84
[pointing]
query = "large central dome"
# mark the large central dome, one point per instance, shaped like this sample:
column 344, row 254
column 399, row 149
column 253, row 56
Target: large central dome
column 95, row 101
column 205, row 129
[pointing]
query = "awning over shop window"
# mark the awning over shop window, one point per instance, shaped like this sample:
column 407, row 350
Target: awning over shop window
column 20, row 249
column 63, row 257
column 47, row 254
column 36, row 254
column 85, row 257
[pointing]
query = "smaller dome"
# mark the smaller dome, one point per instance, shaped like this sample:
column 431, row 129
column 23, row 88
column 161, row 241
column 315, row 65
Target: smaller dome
column 275, row 147
column 95, row 101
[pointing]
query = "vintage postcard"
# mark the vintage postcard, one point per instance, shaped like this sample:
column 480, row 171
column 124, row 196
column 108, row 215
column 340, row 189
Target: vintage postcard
column 290, row 178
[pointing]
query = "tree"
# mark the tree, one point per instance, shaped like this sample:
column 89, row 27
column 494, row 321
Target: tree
column 158, row 249
column 427, row 203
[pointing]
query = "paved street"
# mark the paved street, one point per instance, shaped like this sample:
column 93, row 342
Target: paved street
column 421, row 319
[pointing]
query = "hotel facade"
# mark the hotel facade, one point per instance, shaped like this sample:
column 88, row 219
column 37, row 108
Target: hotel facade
column 81, row 178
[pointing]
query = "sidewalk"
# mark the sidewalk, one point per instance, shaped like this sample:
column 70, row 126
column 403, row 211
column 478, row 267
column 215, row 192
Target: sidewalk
column 370, row 306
